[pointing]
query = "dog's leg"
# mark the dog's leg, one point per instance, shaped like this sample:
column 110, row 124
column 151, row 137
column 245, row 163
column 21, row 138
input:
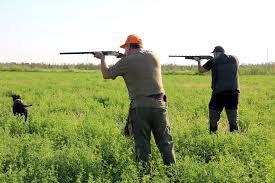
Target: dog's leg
column 26, row 116
column 14, row 110
column 26, row 111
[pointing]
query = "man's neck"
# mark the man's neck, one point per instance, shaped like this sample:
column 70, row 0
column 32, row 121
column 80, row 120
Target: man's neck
column 219, row 54
column 134, row 51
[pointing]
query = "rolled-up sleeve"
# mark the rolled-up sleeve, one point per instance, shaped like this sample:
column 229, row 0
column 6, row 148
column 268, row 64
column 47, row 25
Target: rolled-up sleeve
column 119, row 69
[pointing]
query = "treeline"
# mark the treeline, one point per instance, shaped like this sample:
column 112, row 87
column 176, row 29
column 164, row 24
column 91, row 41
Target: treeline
column 44, row 67
column 244, row 69
column 168, row 69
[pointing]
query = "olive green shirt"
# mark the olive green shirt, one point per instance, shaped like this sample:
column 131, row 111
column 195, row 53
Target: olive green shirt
column 142, row 75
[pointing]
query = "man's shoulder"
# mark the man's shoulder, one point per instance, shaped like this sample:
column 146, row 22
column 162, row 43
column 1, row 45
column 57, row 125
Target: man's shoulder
column 151, row 53
column 143, row 54
column 146, row 51
column 223, row 58
column 233, row 58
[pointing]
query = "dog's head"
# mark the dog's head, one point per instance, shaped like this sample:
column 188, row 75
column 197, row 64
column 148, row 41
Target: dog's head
column 15, row 97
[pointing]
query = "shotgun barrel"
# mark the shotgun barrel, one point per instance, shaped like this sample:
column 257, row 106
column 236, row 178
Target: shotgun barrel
column 192, row 57
column 107, row 53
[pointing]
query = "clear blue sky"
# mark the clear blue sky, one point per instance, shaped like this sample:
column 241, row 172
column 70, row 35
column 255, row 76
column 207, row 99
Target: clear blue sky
column 36, row 30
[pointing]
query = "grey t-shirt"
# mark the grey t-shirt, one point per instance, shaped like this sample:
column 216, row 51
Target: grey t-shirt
column 142, row 76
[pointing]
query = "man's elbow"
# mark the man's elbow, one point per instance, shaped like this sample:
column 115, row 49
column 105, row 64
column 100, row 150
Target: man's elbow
column 106, row 75
column 200, row 70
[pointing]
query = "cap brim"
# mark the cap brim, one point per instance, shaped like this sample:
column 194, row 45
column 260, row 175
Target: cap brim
column 122, row 46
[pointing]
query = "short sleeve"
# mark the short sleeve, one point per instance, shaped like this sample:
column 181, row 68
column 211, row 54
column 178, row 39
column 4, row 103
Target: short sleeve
column 119, row 69
column 208, row 65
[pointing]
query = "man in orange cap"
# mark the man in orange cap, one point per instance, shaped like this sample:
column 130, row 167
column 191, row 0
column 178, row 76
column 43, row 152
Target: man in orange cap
column 141, row 71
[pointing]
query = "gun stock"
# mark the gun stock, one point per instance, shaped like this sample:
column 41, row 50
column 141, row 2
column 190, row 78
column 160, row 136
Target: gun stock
column 107, row 53
column 192, row 57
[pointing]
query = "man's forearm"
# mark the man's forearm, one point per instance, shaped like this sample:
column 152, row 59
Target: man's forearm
column 200, row 68
column 104, row 69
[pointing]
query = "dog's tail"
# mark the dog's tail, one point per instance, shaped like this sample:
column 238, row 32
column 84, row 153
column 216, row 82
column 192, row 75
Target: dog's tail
column 28, row 105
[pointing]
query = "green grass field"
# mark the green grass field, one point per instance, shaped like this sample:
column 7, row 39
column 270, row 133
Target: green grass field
column 75, row 131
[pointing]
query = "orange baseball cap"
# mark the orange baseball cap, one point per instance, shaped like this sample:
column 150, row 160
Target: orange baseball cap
column 132, row 39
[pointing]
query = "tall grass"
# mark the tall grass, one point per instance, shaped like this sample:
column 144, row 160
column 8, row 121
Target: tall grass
column 75, row 131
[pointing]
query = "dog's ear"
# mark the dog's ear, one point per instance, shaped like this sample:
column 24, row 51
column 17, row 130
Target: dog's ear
column 13, row 97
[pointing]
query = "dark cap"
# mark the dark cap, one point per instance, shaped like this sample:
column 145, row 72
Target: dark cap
column 218, row 49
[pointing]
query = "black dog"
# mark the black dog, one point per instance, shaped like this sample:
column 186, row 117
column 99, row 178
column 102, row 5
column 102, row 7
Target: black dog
column 19, row 108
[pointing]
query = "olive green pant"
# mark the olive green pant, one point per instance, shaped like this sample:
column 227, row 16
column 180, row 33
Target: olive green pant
column 145, row 120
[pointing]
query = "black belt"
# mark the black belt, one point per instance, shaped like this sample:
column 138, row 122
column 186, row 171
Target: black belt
column 159, row 96
column 229, row 92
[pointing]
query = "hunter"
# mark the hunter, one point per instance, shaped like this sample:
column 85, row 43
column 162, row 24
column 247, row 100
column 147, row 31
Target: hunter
column 141, row 71
column 225, row 88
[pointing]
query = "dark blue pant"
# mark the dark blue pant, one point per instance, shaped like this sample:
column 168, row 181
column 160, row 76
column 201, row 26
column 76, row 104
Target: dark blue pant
column 229, row 101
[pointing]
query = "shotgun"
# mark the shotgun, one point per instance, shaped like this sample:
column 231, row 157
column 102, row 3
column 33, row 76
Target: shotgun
column 107, row 53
